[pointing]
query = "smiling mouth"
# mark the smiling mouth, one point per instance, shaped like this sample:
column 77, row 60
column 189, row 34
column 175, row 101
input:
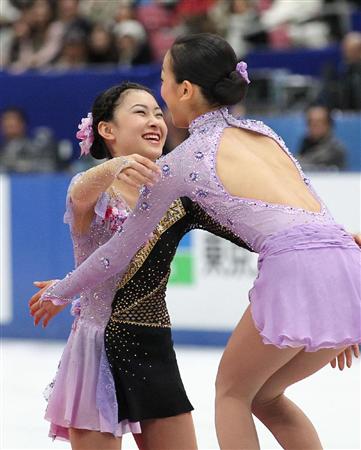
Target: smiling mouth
column 153, row 138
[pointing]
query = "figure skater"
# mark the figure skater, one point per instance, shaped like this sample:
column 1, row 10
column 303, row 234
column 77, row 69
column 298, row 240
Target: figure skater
column 305, row 305
column 82, row 403
column 156, row 398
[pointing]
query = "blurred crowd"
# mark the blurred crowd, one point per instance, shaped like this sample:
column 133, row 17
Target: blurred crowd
column 64, row 35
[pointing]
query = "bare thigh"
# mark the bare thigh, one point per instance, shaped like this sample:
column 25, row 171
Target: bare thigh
column 303, row 365
column 170, row 433
column 247, row 363
column 93, row 440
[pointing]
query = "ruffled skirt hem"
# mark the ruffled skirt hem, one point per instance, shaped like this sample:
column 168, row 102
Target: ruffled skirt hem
column 308, row 290
column 60, row 431
column 307, row 343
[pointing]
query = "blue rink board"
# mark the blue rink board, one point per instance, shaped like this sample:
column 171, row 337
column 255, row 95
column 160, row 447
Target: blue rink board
column 41, row 249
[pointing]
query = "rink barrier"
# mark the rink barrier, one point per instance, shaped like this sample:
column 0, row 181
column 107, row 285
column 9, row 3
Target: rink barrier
column 211, row 277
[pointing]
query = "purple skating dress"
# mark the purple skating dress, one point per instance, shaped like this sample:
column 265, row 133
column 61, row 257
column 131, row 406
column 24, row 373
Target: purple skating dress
column 308, row 289
column 82, row 394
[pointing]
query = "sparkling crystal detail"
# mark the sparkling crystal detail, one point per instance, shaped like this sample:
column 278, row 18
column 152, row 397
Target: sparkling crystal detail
column 201, row 193
column 166, row 170
column 105, row 262
column 194, row 176
column 144, row 191
column 199, row 155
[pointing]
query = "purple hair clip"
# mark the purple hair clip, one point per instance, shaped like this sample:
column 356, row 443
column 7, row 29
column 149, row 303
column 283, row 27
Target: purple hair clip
column 241, row 68
column 85, row 134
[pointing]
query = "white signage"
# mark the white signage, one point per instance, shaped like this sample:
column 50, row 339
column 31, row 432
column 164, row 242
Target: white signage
column 5, row 252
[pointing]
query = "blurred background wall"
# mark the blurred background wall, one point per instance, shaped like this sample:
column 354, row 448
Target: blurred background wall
column 304, row 60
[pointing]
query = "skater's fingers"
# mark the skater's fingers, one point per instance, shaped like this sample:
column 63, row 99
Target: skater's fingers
column 46, row 319
column 41, row 284
column 35, row 298
column 333, row 363
column 356, row 350
column 348, row 353
column 38, row 316
column 341, row 360
column 35, row 307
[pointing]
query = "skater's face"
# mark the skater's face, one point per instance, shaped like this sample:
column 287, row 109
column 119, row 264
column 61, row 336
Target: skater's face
column 173, row 94
column 137, row 126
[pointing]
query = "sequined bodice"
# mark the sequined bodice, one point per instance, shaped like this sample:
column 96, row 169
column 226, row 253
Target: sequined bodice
column 189, row 171
column 110, row 214
column 140, row 296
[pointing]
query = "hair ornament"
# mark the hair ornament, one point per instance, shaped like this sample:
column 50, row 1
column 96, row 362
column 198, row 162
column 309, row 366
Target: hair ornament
column 85, row 134
column 241, row 68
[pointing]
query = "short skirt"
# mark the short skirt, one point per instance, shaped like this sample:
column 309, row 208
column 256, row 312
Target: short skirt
column 308, row 290
column 146, row 376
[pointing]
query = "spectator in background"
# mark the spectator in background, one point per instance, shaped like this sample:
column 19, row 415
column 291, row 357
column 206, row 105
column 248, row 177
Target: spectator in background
column 295, row 23
column 36, row 40
column 196, row 16
column 131, row 43
column 8, row 15
column 341, row 88
column 350, row 79
column 19, row 152
column 162, row 25
column 320, row 149
column 242, row 22
column 74, row 53
column 102, row 48
column 99, row 11
column 125, row 11
column 70, row 18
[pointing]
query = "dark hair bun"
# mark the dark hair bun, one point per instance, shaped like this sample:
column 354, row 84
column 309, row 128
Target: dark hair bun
column 230, row 90
column 208, row 61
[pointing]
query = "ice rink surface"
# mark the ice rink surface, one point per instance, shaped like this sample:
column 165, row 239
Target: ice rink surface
column 330, row 398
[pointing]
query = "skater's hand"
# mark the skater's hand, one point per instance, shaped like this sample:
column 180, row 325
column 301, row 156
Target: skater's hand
column 346, row 354
column 137, row 170
column 43, row 311
column 357, row 239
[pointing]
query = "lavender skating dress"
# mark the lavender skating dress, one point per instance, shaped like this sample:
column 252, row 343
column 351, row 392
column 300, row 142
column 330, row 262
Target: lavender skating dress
column 82, row 394
column 308, row 289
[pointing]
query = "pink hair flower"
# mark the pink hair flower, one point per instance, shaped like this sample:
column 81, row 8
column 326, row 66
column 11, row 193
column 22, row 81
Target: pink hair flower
column 85, row 134
column 241, row 68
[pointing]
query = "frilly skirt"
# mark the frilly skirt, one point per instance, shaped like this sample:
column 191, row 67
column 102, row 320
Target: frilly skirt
column 308, row 290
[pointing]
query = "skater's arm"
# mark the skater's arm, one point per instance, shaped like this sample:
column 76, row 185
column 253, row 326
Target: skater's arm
column 86, row 189
column 114, row 257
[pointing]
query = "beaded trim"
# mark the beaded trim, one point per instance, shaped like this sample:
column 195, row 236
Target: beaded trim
column 175, row 212
column 161, row 311
column 263, row 129
column 139, row 324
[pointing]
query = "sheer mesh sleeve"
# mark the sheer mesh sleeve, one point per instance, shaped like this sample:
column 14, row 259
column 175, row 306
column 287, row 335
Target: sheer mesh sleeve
column 114, row 257
column 69, row 213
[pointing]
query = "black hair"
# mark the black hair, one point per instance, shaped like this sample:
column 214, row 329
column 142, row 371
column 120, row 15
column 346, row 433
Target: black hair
column 103, row 109
column 208, row 61
column 328, row 112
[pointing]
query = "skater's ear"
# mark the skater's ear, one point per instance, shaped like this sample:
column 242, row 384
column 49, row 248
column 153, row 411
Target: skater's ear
column 105, row 130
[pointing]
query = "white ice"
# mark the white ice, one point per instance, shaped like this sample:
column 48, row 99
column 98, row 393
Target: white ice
column 330, row 398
